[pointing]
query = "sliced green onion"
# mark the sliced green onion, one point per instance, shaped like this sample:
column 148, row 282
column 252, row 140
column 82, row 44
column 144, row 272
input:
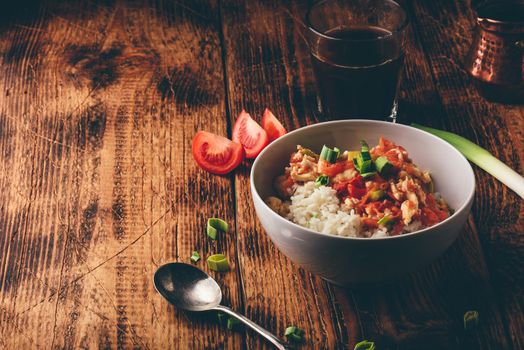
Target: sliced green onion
column 214, row 225
column 377, row 195
column 368, row 175
column 471, row 320
column 365, row 150
column 322, row 180
column 218, row 262
column 233, row 323
column 222, row 318
column 355, row 162
column 383, row 165
column 367, row 166
column 195, row 257
column 295, row 334
column 365, row 345
column 385, row 220
column 329, row 155
column 308, row 152
column 482, row 158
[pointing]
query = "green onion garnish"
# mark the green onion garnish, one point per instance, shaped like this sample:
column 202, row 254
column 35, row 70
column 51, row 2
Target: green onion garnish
column 322, row 180
column 214, row 225
column 365, row 150
column 329, row 155
column 367, row 166
column 377, row 195
column 308, row 152
column 233, row 323
column 218, row 262
column 368, row 175
column 294, row 334
column 383, row 165
column 195, row 257
column 365, row 345
column 471, row 320
column 482, row 158
column 386, row 219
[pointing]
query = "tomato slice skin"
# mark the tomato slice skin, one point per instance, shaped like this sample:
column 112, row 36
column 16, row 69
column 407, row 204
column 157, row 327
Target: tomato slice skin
column 216, row 154
column 250, row 135
column 272, row 125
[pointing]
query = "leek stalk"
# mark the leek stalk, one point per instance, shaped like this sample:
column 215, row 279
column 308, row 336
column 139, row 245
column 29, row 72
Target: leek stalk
column 482, row 158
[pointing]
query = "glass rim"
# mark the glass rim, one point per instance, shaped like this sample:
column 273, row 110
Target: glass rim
column 311, row 27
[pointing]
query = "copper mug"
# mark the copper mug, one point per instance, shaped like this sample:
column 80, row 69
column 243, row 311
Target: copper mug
column 496, row 59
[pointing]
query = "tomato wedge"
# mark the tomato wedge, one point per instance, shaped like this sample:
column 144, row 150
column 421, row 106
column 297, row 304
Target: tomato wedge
column 249, row 134
column 215, row 153
column 272, row 125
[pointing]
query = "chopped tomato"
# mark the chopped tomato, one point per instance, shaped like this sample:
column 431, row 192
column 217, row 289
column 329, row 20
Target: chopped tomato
column 272, row 126
column 355, row 191
column 429, row 218
column 215, row 153
column 249, row 134
column 369, row 222
column 331, row 169
column 357, row 187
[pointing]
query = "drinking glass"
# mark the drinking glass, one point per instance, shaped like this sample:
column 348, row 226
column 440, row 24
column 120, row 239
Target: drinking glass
column 357, row 51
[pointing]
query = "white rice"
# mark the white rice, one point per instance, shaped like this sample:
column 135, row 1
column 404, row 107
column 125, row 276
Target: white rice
column 319, row 209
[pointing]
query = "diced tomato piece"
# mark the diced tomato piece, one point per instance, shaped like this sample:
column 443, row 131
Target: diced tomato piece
column 272, row 125
column 369, row 222
column 215, row 153
column 429, row 218
column 330, row 169
column 356, row 192
column 249, row 134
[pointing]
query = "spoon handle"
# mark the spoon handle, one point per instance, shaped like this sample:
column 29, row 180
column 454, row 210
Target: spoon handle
column 263, row 332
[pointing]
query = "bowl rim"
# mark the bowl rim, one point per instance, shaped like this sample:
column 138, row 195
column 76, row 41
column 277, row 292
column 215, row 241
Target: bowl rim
column 462, row 208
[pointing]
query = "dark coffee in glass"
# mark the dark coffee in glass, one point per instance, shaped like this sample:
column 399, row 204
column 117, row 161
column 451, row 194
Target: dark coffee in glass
column 357, row 53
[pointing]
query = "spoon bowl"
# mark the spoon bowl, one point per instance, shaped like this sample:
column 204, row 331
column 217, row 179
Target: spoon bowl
column 187, row 287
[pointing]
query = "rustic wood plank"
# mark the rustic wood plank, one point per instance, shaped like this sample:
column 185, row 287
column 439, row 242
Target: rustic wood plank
column 265, row 68
column 445, row 29
column 99, row 105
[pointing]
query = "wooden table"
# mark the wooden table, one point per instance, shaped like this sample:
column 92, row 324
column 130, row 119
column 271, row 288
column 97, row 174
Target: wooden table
column 99, row 102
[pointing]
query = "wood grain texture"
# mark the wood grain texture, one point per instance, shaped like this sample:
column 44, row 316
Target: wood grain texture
column 99, row 101
column 99, row 105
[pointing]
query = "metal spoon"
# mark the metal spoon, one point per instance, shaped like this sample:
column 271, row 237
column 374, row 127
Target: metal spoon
column 189, row 288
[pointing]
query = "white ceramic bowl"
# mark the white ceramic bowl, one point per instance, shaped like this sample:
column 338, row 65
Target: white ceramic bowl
column 347, row 260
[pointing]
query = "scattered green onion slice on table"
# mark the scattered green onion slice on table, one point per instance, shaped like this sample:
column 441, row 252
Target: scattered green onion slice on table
column 482, row 158
column 222, row 318
column 329, row 155
column 385, row 220
column 322, row 180
column 218, row 262
column 365, row 345
column 233, row 323
column 471, row 320
column 383, row 165
column 294, row 334
column 195, row 257
column 214, row 225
